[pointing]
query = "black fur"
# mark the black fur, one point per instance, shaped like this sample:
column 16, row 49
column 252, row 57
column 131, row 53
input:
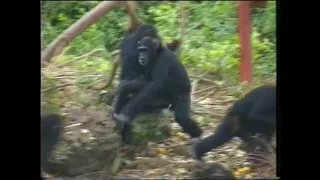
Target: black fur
column 130, row 67
column 131, row 80
column 166, row 78
column 254, row 113
column 51, row 126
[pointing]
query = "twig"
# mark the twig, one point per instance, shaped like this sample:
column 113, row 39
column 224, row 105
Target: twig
column 116, row 64
column 82, row 56
column 91, row 76
column 56, row 87
column 66, row 49
column 91, row 173
column 202, row 90
column 73, row 125
column 211, row 92
column 94, row 83
column 207, row 112
column 193, row 89
column 202, row 79
column 114, row 53
column 183, row 19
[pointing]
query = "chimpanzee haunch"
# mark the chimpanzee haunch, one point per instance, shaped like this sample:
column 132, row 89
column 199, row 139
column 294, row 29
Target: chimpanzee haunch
column 51, row 126
column 167, row 79
column 254, row 113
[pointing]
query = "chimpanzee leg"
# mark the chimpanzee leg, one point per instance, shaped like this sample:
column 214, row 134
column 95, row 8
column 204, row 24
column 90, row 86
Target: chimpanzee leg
column 125, row 133
column 155, row 106
column 152, row 107
column 182, row 115
column 51, row 126
column 224, row 133
column 127, row 128
column 125, row 89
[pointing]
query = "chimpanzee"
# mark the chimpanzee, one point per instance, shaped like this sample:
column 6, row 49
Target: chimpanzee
column 166, row 78
column 134, row 86
column 130, row 69
column 51, row 126
column 254, row 113
column 130, row 88
column 136, row 30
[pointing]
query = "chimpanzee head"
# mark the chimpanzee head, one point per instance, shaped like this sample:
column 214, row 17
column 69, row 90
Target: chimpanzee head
column 148, row 50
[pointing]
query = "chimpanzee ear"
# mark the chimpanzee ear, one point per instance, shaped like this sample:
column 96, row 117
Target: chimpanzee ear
column 156, row 42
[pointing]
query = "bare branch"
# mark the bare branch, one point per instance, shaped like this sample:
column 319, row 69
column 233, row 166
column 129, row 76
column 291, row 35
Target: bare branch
column 56, row 87
column 77, row 28
column 207, row 95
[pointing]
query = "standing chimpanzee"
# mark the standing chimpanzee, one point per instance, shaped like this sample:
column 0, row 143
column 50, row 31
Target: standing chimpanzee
column 254, row 113
column 134, row 86
column 166, row 78
column 51, row 126
column 131, row 70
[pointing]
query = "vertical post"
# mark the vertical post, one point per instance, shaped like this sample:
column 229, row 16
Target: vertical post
column 245, row 27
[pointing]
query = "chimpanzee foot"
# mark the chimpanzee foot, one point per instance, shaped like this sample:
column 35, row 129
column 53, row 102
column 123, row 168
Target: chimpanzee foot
column 195, row 140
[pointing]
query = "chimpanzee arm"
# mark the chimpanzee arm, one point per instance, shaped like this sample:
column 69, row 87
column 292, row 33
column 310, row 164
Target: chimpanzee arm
column 128, row 73
column 150, row 90
column 134, row 85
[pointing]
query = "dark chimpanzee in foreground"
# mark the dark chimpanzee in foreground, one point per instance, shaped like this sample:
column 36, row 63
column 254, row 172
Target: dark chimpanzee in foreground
column 254, row 113
column 166, row 78
column 134, row 86
column 131, row 70
column 51, row 126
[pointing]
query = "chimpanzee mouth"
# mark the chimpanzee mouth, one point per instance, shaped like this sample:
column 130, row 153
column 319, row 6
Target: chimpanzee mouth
column 142, row 61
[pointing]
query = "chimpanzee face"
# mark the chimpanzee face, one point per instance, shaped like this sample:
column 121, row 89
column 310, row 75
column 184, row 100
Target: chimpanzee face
column 147, row 48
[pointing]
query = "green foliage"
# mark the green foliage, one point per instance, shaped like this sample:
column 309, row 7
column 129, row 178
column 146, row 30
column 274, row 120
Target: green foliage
column 211, row 41
column 50, row 99
column 150, row 128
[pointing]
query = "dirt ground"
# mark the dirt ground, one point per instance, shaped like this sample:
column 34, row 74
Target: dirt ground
column 90, row 149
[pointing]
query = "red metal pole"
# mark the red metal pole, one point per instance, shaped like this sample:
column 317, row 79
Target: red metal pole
column 245, row 27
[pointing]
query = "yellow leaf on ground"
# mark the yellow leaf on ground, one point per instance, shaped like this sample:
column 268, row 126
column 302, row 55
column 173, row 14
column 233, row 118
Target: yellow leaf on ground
column 162, row 151
column 245, row 170
column 181, row 135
